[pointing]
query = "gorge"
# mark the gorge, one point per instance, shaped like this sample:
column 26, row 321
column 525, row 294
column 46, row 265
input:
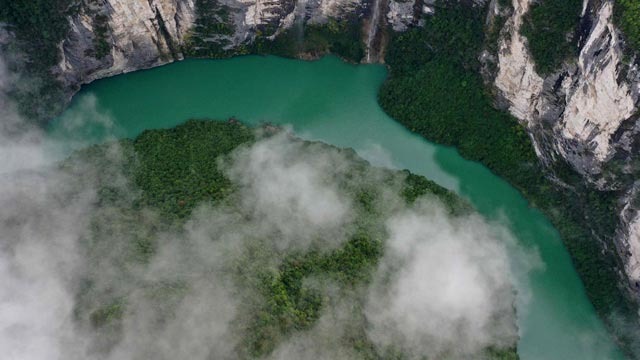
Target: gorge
column 575, row 159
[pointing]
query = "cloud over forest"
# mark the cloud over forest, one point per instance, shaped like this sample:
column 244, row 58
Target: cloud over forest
column 442, row 285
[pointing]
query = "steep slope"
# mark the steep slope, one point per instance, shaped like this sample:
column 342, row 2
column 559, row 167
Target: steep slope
column 116, row 36
column 145, row 34
column 585, row 111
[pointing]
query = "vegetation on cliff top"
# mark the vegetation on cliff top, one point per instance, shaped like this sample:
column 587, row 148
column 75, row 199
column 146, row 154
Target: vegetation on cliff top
column 550, row 27
column 211, row 36
column 552, row 30
column 339, row 37
column 39, row 26
column 627, row 15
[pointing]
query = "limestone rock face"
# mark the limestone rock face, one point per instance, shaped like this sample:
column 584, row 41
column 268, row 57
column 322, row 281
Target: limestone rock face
column 585, row 102
column 584, row 113
column 401, row 14
column 597, row 102
column 139, row 34
column 517, row 80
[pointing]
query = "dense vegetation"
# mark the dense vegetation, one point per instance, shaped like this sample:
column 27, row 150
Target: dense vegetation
column 40, row 25
column 435, row 91
column 101, row 46
column 174, row 171
column 627, row 15
column 550, row 27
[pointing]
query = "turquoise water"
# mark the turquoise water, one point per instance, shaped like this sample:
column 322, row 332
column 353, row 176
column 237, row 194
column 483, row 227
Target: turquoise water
column 335, row 102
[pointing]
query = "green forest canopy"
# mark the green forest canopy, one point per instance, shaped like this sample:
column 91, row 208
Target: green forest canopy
column 627, row 15
column 175, row 171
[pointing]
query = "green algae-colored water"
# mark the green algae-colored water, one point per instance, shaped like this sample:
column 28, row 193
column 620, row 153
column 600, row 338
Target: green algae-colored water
column 335, row 102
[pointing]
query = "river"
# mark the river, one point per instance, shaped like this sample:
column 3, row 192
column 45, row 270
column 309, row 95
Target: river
column 335, row 102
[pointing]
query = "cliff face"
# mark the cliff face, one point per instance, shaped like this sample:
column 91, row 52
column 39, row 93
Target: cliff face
column 585, row 102
column 146, row 33
column 585, row 112
column 138, row 34
column 110, row 37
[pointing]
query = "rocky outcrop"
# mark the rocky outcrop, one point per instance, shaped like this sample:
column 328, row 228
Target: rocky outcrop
column 597, row 102
column 585, row 102
column 146, row 33
column 584, row 113
column 137, row 34
column 401, row 14
column 517, row 80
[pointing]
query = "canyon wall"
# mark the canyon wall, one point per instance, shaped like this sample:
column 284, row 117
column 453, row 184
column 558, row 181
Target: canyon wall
column 139, row 34
column 142, row 34
column 585, row 112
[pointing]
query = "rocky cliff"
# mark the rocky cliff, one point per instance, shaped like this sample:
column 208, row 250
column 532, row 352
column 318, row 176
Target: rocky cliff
column 141, row 34
column 109, row 37
column 138, row 34
column 584, row 112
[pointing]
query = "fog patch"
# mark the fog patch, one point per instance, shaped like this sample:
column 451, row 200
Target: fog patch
column 18, row 140
column 207, row 271
column 83, row 124
column 325, row 341
column 444, row 287
column 39, row 264
column 377, row 155
column 291, row 186
column 40, row 223
column 185, row 303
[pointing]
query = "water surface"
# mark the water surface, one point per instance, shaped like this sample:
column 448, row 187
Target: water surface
column 335, row 102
